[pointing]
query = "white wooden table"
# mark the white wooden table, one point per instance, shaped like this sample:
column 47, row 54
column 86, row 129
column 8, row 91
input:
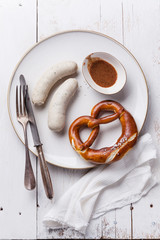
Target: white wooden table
column 134, row 23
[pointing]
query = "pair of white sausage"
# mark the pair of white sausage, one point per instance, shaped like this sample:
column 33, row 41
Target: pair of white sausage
column 62, row 96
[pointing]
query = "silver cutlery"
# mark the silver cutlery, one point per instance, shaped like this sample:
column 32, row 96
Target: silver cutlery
column 37, row 142
column 22, row 117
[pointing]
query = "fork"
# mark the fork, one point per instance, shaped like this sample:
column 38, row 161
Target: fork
column 22, row 117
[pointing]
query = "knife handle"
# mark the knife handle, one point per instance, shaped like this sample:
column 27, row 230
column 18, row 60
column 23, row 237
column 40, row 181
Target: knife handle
column 45, row 173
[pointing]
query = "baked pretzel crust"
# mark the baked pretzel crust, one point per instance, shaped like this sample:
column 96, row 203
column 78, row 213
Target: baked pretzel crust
column 108, row 154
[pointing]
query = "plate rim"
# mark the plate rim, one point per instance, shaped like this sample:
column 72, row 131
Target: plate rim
column 43, row 40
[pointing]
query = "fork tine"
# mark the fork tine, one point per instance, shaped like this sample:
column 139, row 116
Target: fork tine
column 20, row 101
column 17, row 101
column 24, row 106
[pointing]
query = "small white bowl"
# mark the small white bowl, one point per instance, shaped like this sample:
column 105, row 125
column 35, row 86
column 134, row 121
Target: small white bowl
column 121, row 73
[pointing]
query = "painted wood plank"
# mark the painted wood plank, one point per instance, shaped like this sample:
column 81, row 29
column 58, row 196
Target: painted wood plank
column 142, row 37
column 101, row 18
column 62, row 179
column 118, row 222
column 55, row 16
column 58, row 15
column 17, row 205
column 111, row 19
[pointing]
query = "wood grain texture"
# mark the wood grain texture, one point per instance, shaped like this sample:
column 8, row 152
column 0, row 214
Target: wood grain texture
column 142, row 37
column 134, row 23
column 18, row 210
column 55, row 16
column 103, row 14
column 112, row 25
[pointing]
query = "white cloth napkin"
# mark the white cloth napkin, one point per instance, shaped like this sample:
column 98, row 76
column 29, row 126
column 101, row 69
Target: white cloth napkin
column 105, row 188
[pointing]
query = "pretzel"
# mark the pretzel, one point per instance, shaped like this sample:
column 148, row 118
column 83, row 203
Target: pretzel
column 108, row 154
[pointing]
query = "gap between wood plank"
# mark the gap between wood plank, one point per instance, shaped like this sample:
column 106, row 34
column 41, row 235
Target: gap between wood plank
column 122, row 25
column 115, row 225
column 37, row 203
column 36, row 21
column 131, row 208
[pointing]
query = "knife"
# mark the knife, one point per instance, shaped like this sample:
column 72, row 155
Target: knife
column 37, row 142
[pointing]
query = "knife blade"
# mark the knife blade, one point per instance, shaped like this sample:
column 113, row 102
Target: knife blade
column 37, row 142
column 33, row 125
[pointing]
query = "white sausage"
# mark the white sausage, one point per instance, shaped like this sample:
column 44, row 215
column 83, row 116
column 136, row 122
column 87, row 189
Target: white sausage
column 49, row 78
column 59, row 103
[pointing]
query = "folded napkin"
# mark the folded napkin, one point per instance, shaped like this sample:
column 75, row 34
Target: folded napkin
column 106, row 187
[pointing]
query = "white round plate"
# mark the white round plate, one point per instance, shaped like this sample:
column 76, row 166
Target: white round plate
column 75, row 46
